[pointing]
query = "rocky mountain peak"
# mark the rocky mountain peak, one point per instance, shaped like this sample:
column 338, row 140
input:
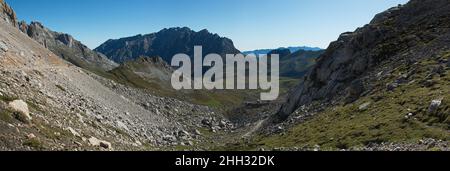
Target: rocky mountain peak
column 68, row 48
column 7, row 13
column 166, row 43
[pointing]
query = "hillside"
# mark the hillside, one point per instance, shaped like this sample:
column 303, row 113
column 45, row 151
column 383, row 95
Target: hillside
column 154, row 75
column 47, row 103
column 384, row 86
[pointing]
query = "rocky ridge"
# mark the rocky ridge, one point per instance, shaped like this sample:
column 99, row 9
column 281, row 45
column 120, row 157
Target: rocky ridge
column 166, row 43
column 403, row 34
column 65, row 46
column 7, row 14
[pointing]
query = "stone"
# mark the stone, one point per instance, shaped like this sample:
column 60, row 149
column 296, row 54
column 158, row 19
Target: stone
column 122, row 125
column 3, row 47
column 434, row 106
column 99, row 143
column 169, row 138
column 94, row 141
column 183, row 133
column 190, row 143
column 31, row 136
column 392, row 86
column 364, row 106
column 223, row 124
column 197, row 132
column 21, row 109
column 73, row 132
column 105, row 144
column 206, row 122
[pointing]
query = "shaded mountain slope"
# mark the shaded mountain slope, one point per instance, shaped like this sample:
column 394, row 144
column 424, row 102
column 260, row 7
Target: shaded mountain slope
column 297, row 64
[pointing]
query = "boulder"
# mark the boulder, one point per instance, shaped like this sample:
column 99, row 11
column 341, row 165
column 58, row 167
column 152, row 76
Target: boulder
column 197, row 132
column 364, row 106
column 31, row 136
column 122, row 126
column 392, row 86
column 73, row 132
column 434, row 106
column 223, row 124
column 3, row 47
column 206, row 122
column 105, row 144
column 99, row 143
column 21, row 110
column 170, row 138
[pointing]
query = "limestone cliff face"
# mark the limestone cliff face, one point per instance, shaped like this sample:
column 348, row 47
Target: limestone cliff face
column 166, row 43
column 61, row 44
column 400, row 34
column 7, row 13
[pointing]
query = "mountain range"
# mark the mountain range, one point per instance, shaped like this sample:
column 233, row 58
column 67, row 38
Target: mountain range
column 384, row 86
column 291, row 49
column 166, row 43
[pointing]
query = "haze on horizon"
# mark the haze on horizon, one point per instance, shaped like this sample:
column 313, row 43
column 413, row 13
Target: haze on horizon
column 251, row 24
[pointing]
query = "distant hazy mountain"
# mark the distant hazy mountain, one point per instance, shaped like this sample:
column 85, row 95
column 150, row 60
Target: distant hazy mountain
column 295, row 65
column 166, row 43
column 291, row 49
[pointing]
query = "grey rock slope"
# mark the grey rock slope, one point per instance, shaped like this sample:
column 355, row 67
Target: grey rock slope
column 166, row 43
column 69, row 105
column 65, row 46
column 404, row 34
column 73, row 109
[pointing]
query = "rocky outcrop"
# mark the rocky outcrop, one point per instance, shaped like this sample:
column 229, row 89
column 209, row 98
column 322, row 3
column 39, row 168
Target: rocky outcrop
column 21, row 109
column 65, row 46
column 403, row 34
column 7, row 14
column 166, row 43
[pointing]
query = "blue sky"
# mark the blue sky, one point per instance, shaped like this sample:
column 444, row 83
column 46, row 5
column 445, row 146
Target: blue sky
column 251, row 24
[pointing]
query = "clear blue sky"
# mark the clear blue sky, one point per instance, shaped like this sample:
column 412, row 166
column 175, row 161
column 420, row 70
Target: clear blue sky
column 251, row 24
